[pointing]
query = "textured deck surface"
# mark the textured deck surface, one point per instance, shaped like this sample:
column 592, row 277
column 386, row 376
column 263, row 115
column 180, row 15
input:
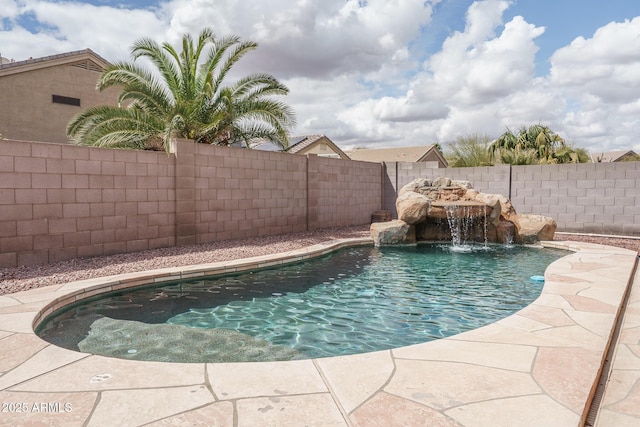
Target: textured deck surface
column 537, row 367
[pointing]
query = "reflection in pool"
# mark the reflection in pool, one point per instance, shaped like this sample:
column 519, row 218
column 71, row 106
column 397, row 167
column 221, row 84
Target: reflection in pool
column 355, row 300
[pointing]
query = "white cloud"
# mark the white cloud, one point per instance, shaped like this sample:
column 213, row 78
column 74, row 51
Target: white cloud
column 476, row 66
column 408, row 110
column 10, row 9
column 484, row 76
column 357, row 71
column 317, row 103
column 464, row 86
column 600, row 76
column 536, row 102
column 606, row 65
column 314, row 39
column 73, row 26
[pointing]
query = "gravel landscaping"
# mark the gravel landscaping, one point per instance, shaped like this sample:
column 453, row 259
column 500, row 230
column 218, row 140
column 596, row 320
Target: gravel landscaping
column 23, row 278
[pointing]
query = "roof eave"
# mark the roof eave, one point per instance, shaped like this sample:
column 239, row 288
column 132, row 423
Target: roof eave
column 52, row 61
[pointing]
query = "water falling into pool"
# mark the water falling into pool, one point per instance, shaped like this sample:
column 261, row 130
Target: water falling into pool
column 465, row 223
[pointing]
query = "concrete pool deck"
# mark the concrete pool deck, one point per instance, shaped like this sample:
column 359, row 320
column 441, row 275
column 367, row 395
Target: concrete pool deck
column 538, row 367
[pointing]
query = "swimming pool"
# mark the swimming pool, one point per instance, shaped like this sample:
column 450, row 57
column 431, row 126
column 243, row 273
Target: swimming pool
column 352, row 301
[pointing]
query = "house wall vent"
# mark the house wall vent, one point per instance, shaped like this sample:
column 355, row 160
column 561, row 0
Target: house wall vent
column 59, row 99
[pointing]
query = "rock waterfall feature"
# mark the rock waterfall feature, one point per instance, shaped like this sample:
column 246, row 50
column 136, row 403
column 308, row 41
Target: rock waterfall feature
column 444, row 209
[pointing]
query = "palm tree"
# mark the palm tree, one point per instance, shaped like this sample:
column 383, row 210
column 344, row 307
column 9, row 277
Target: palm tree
column 506, row 142
column 185, row 98
column 519, row 156
column 569, row 154
column 544, row 141
column 536, row 144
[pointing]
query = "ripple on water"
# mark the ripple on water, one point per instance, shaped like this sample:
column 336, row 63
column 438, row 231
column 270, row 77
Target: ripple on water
column 173, row 343
column 356, row 300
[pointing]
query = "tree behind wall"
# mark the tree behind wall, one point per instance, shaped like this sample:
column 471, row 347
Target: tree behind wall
column 535, row 144
column 186, row 98
column 469, row 151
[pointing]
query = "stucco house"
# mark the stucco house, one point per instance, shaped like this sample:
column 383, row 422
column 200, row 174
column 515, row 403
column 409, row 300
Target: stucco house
column 41, row 95
column 422, row 153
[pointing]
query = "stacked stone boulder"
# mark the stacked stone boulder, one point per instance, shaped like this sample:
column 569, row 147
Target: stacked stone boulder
column 422, row 207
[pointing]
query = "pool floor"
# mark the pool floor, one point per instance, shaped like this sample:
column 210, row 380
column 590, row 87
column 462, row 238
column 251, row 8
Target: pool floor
column 536, row 367
column 355, row 300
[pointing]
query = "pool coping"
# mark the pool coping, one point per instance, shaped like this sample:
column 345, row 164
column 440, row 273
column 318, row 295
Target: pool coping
column 539, row 366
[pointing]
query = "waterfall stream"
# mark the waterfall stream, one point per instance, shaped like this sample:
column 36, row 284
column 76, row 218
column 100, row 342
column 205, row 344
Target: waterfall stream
column 464, row 221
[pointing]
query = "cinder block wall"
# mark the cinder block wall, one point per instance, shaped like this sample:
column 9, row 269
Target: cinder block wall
column 345, row 192
column 61, row 201
column 601, row 198
column 241, row 193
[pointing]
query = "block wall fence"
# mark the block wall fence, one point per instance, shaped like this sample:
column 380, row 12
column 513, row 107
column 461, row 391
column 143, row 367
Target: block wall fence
column 60, row 201
column 599, row 198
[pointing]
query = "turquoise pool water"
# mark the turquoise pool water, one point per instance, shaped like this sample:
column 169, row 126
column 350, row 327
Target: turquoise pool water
column 355, row 300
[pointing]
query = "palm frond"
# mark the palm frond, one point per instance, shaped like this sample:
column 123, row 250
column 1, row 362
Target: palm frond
column 164, row 58
column 186, row 98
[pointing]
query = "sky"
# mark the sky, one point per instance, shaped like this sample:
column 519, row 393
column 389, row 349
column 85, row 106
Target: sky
column 385, row 73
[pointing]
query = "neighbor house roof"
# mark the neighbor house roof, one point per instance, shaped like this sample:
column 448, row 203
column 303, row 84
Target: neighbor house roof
column 306, row 143
column 86, row 58
column 611, row 156
column 399, row 154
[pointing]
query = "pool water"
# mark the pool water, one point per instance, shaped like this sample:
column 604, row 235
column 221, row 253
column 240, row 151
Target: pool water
column 353, row 301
